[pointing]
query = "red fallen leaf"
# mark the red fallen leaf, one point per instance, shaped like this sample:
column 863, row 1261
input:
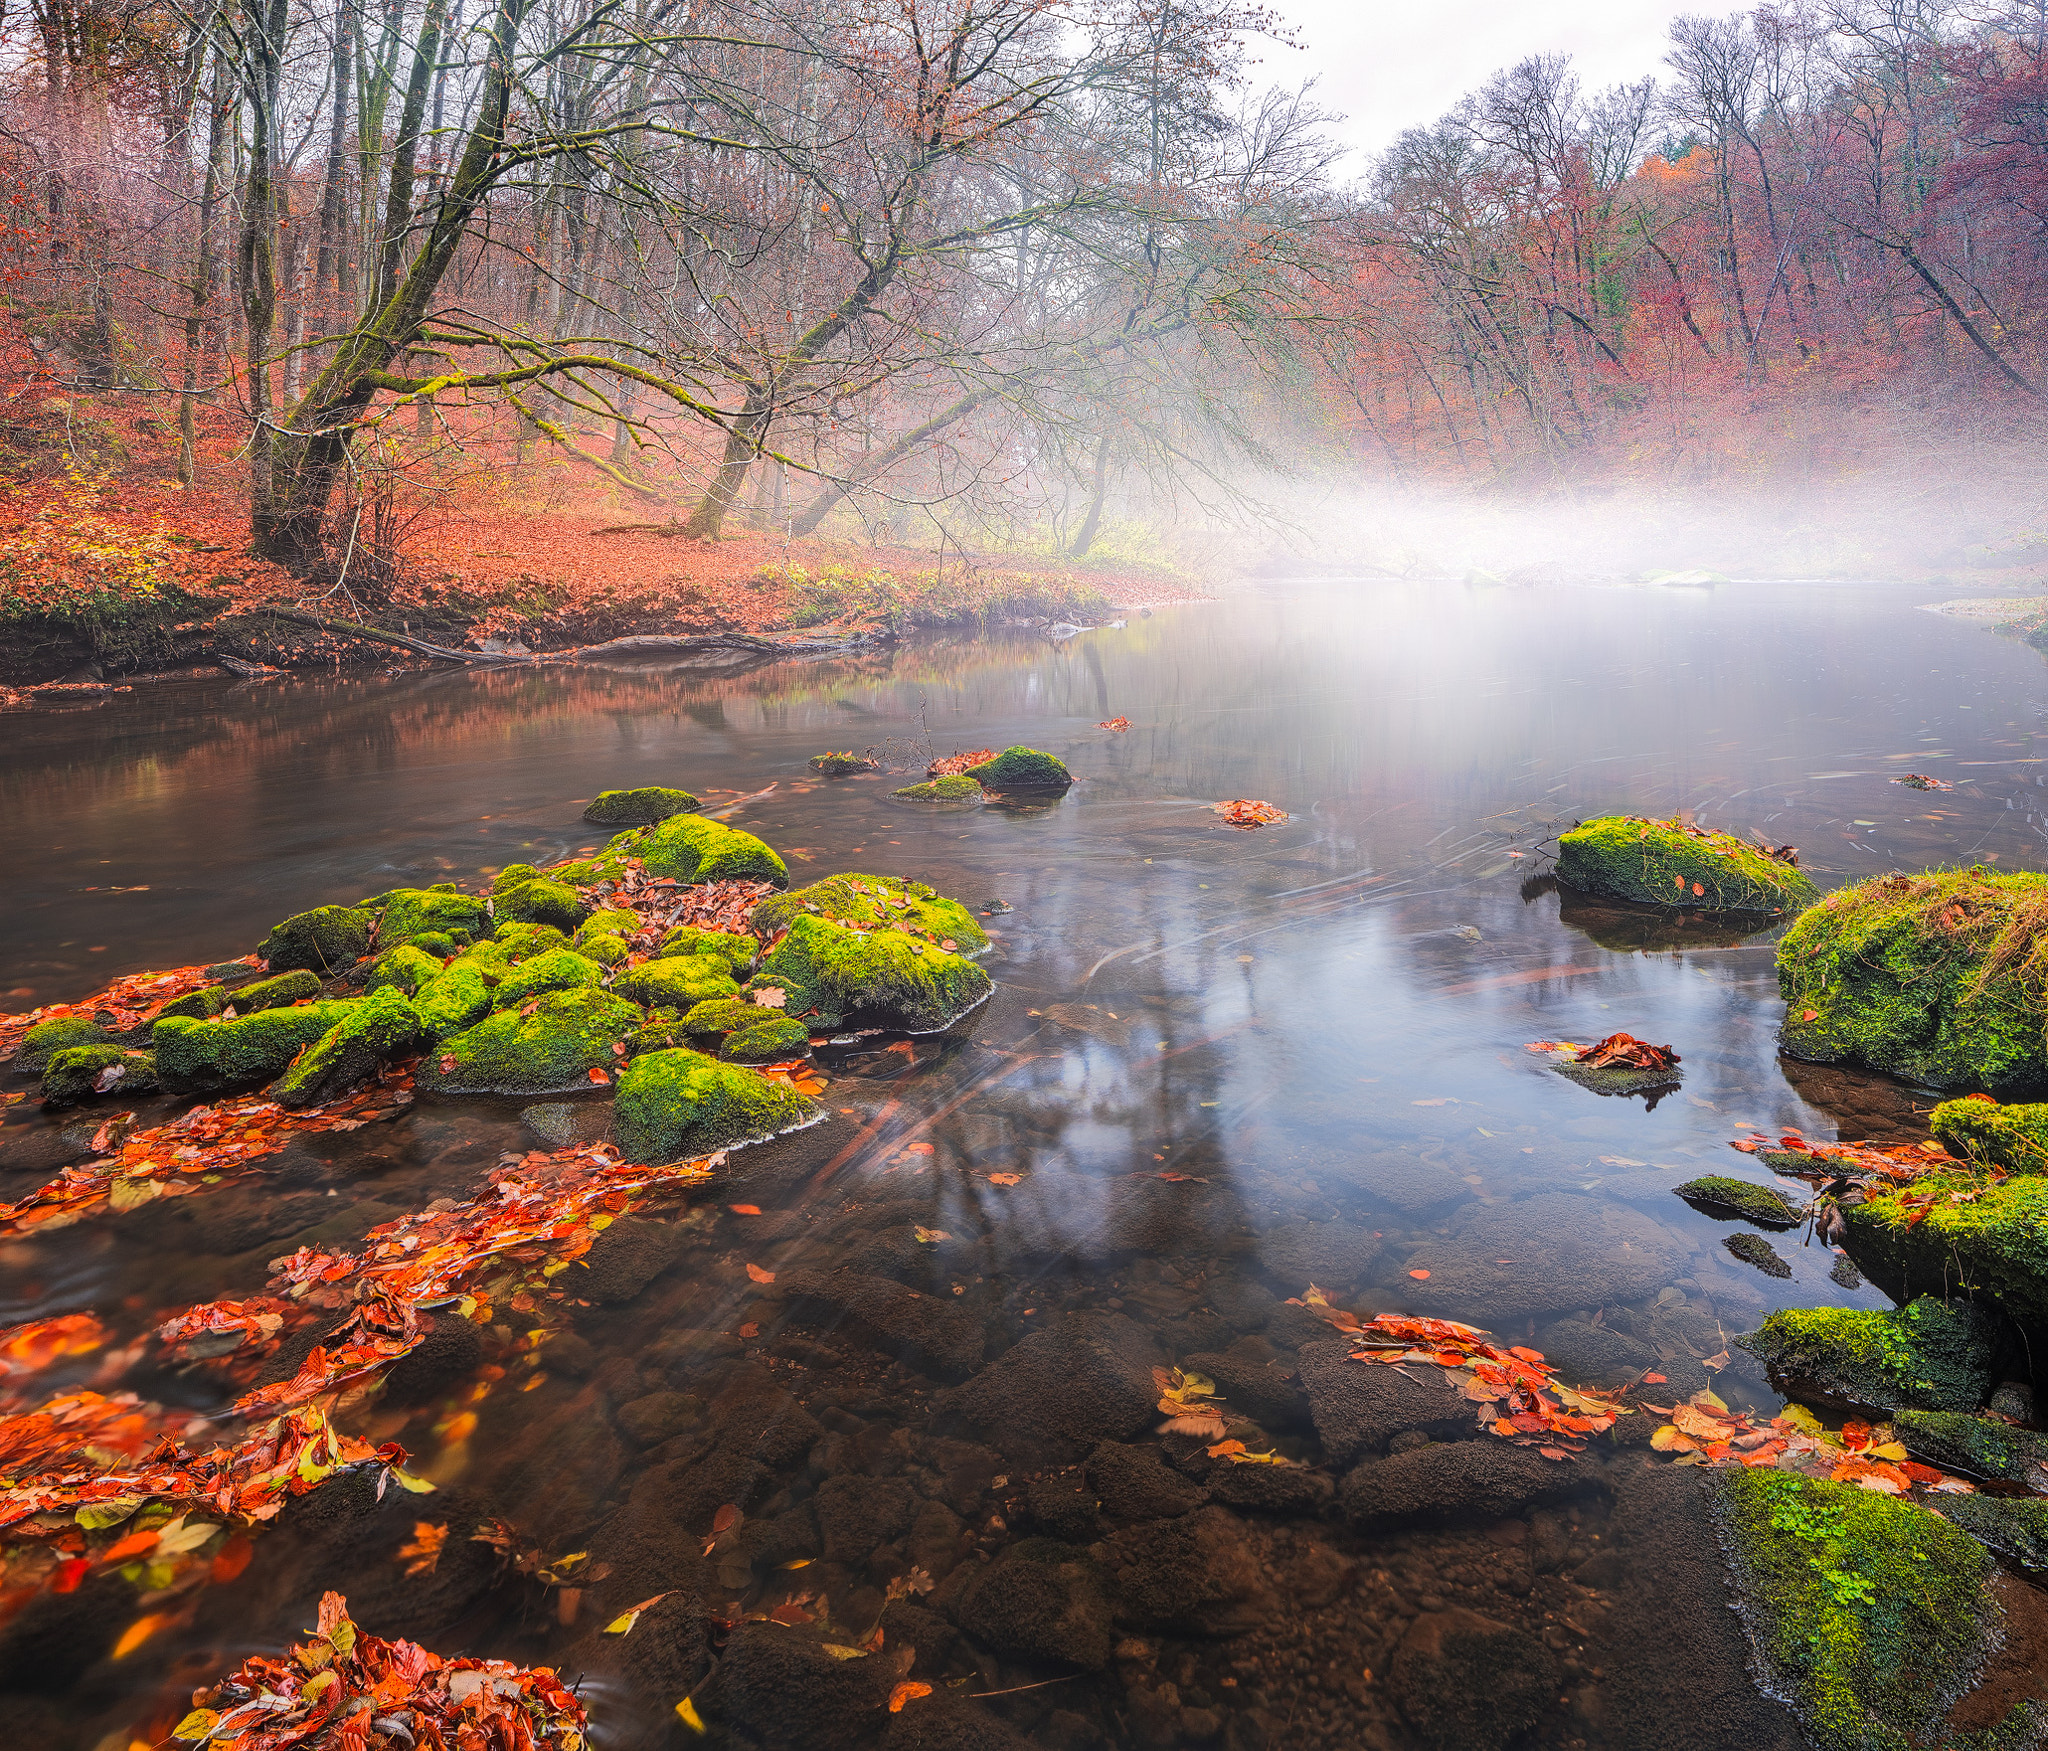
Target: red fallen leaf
column 1656, row 1380
column 1419, row 1276
column 70, row 1572
column 918, row 1149
column 759, row 1275
column 792, row 1613
column 1809, row 1015
column 744, row 1209
column 1697, row 889
column 1119, row 724
column 1553, row 1453
column 1181, row 1178
column 725, row 1519
column 1246, row 813
column 232, row 1558
column 1626, row 1050
column 909, row 1690
column 447, row 1063
column 750, row 1330
column 597, row 1075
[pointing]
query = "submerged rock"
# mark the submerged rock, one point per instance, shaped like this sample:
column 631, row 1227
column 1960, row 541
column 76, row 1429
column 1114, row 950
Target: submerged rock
column 373, row 1032
column 1719, row 1195
column 955, row 787
column 211, row 1057
column 79, row 1072
column 1481, row 1478
column 676, row 1104
column 1929, row 1355
column 1658, row 863
column 829, row 971
column 1022, row 769
column 638, row 808
column 325, row 940
column 691, row 849
column 1469, row 1683
column 1042, row 1600
column 924, row 1330
column 1979, row 1130
column 1085, row 1379
column 1753, row 1249
column 873, row 902
column 553, row 1050
column 1936, row 978
column 1542, row 1255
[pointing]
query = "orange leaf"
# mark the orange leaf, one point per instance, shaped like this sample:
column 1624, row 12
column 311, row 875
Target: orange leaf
column 139, row 1632
column 745, row 1209
column 1656, row 1379
column 233, row 1559
column 1419, row 1276
column 1005, row 1179
column 908, row 1691
column 759, row 1275
column 133, row 1545
column 1697, row 889
column 598, row 1076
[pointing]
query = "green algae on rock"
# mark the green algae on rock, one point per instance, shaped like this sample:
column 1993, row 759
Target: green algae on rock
column 2013, row 1526
column 454, row 999
column 955, row 787
column 721, row 1015
column 1022, row 769
column 738, row 953
column 677, row 1104
column 326, row 940
column 555, row 969
column 677, row 981
column 406, row 913
column 638, row 808
column 1719, row 1195
column 1936, row 978
column 873, row 902
column 1980, row 1130
column 1753, row 1249
column 541, row 902
column 607, row 937
column 1979, row 1446
column 210, row 1057
column 1928, row 1355
column 383, row 1026
column 1951, row 1231
column 550, row 1051
column 767, row 1040
column 276, row 992
column 204, row 1005
column 1660, row 863
column 1867, row 1613
column 47, row 1038
column 829, row 971
column 79, row 1072
column 404, row 969
column 840, row 765
column 692, row 849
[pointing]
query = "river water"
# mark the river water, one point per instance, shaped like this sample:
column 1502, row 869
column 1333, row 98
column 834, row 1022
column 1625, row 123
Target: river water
column 1219, row 1064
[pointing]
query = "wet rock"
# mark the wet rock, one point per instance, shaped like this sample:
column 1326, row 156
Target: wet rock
column 1253, row 1382
column 1468, row 1683
column 659, row 1417
column 788, row 1694
column 325, row 940
column 1560, row 1251
column 373, row 1032
column 857, row 1513
column 1195, row 1575
column 1594, row 1355
column 1063, row 1506
column 1293, row 1328
column 449, row 1354
column 1332, row 1255
column 678, row 1103
column 1722, row 1196
column 1041, row 1600
column 1150, row 1217
column 945, row 1723
column 755, row 1417
column 1407, row 1184
column 1084, row 1379
column 665, row 1658
column 1483, row 1478
column 1133, row 1483
column 1753, row 1249
column 884, row 976
column 638, row 808
column 1358, row 1407
column 935, row 1540
column 1242, row 1304
column 1928, row 1355
column 905, row 1623
column 1627, row 857
column 628, row 1256
column 1290, row 1490
column 561, row 1123
column 924, row 1330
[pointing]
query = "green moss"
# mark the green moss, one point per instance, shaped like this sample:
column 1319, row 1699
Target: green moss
column 73, row 1074
column 673, row 1105
column 614, row 924
column 516, row 940
column 1980, row 1130
column 636, row 808
column 956, row 787
column 1766, row 1206
column 721, row 1015
column 736, row 952
column 1949, row 1232
column 1979, row 1446
column 513, row 875
column 1936, row 978
column 453, row 1000
column 439, row 944
column 870, row 901
column 691, row 849
column 207, row 1057
column 840, row 765
column 275, row 993
column 677, row 981
column 373, row 1032
column 542, row 902
column 559, row 969
column 404, row 968
column 202, row 1005
column 1618, row 1080
column 325, row 940
column 606, row 951
column 1022, row 769
column 1930, row 1355
column 663, row 1032
column 47, row 1038
column 410, row 912
column 1753, row 1249
column 551, row 1051
column 830, row 971
column 2013, row 1526
column 1656, row 863
column 767, row 1041
column 1867, row 1613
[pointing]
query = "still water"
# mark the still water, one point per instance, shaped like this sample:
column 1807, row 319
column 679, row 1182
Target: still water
column 1218, row 1066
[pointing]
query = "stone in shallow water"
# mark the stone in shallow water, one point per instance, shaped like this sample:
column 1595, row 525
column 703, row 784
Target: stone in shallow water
column 1332, row 1255
column 1928, row 1355
column 1086, row 1378
column 561, row 1123
column 1359, row 1407
column 1469, row 1683
column 925, row 1330
column 1541, row 1255
column 1042, row 1600
column 1480, row 1478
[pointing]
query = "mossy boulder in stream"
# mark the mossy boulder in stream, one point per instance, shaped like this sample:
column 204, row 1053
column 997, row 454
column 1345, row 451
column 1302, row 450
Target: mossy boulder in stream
column 1719, row 1195
column 735, row 953
column 874, row 902
column 325, row 940
column 47, row 1038
column 723, row 1015
column 829, row 972
column 1660, row 863
column 2013, row 1526
column 1927, row 1355
column 607, row 937
column 677, row 981
column 1976, row 1446
column 552, row 1051
column 1022, row 769
column 841, row 765
column 403, row 969
column 405, row 913
column 681, row 1103
column 541, row 902
column 204, row 1005
column 454, row 999
column 1868, row 1614
column 383, row 1026
column 557, row 969
column 78, row 1072
column 1936, row 978
column 210, row 1057
column 691, row 849
column 1978, row 1129
column 638, row 808
column 1950, row 1232
column 767, row 1040
column 955, row 787
column 276, row 992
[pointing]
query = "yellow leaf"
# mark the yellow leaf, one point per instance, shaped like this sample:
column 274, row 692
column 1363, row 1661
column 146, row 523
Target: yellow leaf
column 406, row 1481
column 139, row 1632
column 840, row 1651
column 1892, row 1450
column 1667, row 1438
column 1707, row 1401
column 196, row 1725
column 318, row 1684
column 686, row 1712
column 1802, row 1419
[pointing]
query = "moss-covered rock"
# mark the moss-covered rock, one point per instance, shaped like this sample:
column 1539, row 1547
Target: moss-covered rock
column 841, row 765
column 1658, row 863
column 1936, row 978
column 607, row 936
column 677, row 981
column 1719, row 1195
column 407, row 913
column 677, row 1104
column 955, row 787
column 721, row 1015
column 403, row 969
column 203, row 1005
column 1022, row 769
column 1927, row 1355
column 1976, row 1446
column 1868, row 1614
column 75, row 1074
column 691, row 849
column 737, row 953
column 1619, row 1081
column 552, row 1051
column 439, row 944
column 47, row 1038
column 559, row 969
column 1952, row 1232
column 1978, row 1129
column 662, row 1031
column 515, row 941
column 1753, row 1249
column 277, row 992
column 638, row 808
column 2013, row 1526
column 454, row 999
column 209, row 1057
column 383, row 1026
column 607, row 951
column 325, row 940
column 829, row 971
column 542, row 902
column 768, row 1040
column 872, row 902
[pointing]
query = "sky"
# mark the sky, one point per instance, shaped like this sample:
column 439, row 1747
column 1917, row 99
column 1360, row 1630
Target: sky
column 1395, row 66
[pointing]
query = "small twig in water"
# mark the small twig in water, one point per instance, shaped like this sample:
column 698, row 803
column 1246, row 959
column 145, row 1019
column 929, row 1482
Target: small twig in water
column 1040, row 1685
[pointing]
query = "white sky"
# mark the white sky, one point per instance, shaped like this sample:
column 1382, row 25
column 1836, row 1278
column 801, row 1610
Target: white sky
column 1394, row 66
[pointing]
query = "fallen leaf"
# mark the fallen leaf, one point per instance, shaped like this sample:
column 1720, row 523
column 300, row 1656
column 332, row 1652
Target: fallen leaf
column 631, row 1615
column 1419, row 1276
column 744, row 1209
column 425, row 1548
column 686, row 1712
column 908, row 1691
column 759, row 1275
column 1005, row 1179
column 599, row 1076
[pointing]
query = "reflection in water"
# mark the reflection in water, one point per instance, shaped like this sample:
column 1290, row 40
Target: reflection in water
column 1218, row 1067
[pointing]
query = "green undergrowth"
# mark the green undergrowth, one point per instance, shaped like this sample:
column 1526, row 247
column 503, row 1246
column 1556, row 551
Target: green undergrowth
column 1978, row 1129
